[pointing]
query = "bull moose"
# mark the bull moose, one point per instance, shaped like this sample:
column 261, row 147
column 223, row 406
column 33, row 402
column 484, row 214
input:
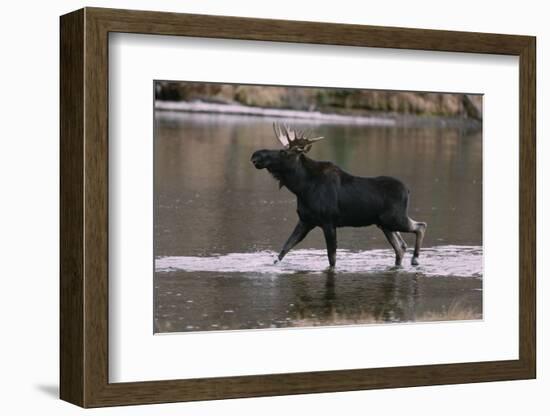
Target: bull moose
column 328, row 197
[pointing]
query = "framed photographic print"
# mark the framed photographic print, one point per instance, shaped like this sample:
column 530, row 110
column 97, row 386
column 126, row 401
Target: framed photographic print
column 256, row 207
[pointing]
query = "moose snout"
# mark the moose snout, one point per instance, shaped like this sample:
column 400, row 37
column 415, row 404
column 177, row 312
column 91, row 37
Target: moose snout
column 258, row 160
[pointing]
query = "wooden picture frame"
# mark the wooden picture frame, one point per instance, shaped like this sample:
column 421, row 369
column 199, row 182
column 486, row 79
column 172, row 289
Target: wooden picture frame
column 84, row 207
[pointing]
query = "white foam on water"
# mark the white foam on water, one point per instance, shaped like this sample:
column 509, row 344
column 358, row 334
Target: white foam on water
column 462, row 261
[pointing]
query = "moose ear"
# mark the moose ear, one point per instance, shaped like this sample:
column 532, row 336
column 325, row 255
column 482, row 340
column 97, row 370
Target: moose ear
column 307, row 148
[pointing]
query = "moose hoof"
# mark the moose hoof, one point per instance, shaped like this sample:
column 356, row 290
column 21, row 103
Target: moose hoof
column 414, row 261
column 276, row 260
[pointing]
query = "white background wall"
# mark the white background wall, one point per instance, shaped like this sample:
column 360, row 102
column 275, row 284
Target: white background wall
column 29, row 159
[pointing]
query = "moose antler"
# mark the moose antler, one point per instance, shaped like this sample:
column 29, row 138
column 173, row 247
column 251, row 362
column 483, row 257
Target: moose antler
column 294, row 139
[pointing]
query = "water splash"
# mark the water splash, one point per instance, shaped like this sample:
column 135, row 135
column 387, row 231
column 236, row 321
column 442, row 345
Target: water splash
column 463, row 261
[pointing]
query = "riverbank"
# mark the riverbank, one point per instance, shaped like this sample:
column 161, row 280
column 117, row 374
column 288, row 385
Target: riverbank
column 357, row 117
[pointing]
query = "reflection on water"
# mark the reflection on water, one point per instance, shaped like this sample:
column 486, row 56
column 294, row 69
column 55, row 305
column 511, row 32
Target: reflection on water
column 199, row 301
column 219, row 222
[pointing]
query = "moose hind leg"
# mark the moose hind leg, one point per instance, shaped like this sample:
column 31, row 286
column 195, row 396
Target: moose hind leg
column 419, row 228
column 395, row 242
column 401, row 240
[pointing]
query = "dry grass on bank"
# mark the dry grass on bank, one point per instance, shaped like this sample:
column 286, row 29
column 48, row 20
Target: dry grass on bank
column 455, row 312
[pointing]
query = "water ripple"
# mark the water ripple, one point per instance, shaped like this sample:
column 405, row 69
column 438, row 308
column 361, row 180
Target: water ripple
column 463, row 261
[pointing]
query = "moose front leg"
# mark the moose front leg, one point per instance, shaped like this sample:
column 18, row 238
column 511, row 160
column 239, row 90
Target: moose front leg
column 329, row 231
column 299, row 233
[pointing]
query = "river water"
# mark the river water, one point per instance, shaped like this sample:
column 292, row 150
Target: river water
column 219, row 223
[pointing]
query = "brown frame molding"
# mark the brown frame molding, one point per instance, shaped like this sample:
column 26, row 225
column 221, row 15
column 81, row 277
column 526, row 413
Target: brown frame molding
column 84, row 207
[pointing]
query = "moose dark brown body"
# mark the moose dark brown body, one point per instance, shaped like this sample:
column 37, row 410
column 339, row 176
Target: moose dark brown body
column 329, row 197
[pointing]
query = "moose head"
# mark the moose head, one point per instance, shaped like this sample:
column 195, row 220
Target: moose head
column 295, row 143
